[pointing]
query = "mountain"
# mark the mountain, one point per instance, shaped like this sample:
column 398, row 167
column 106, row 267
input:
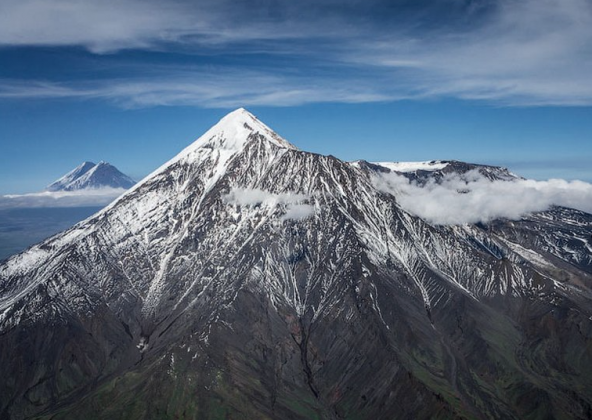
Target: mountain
column 248, row 279
column 89, row 175
column 437, row 170
column 26, row 219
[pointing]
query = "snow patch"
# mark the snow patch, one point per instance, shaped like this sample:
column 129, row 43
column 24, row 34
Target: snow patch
column 142, row 345
column 432, row 165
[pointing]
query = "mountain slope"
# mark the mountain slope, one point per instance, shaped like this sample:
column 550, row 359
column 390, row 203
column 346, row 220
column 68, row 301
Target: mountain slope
column 437, row 170
column 248, row 279
column 89, row 175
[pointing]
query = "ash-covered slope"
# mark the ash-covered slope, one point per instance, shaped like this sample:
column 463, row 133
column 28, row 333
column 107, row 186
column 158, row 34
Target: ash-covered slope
column 89, row 175
column 248, row 279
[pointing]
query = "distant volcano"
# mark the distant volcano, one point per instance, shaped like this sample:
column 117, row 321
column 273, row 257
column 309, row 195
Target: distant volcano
column 89, row 175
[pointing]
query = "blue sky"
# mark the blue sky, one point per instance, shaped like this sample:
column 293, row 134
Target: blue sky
column 132, row 82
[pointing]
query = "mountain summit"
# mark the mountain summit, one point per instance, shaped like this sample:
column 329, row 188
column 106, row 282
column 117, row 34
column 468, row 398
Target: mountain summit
column 89, row 175
column 235, row 130
column 248, row 279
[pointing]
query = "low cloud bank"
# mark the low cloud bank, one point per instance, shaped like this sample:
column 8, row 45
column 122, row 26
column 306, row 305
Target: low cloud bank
column 83, row 198
column 296, row 208
column 473, row 198
column 298, row 212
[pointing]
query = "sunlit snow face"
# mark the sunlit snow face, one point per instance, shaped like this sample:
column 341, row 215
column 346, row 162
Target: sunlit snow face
column 472, row 198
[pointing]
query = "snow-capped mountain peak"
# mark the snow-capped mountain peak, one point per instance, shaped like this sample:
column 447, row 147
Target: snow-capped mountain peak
column 221, row 143
column 233, row 132
column 71, row 176
column 245, row 276
column 89, row 175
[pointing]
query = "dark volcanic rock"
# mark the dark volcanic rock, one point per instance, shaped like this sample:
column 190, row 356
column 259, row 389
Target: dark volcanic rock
column 247, row 279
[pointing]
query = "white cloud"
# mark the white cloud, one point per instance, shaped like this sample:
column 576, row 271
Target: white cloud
column 223, row 88
column 521, row 52
column 298, row 212
column 111, row 25
column 295, row 206
column 528, row 52
column 474, row 198
column 101, row 26
column 86, row 198
column 256, row 196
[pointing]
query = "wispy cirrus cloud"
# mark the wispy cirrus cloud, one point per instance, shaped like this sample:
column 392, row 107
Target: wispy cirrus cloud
column 524, row 53
column 510, row 52
column 112, row 25
column 101, row 27
column 217, row 89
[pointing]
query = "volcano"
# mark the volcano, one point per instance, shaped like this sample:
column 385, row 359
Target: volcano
column 246, row 279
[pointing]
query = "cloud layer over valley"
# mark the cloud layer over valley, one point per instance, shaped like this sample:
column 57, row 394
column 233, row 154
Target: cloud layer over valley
column 83, row 198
